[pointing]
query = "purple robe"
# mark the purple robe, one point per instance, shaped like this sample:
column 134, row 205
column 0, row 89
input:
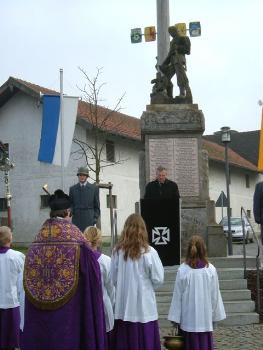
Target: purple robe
column 135, row 336
column 9, row 323
column 77, row 323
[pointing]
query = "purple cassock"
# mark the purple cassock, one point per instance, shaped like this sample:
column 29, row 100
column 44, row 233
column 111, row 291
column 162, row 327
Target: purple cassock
column 9, row 323
column 64, row 306
column 135, row 336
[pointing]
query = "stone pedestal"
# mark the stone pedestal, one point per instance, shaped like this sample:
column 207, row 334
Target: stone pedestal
column 172, row 135
column 216, row 241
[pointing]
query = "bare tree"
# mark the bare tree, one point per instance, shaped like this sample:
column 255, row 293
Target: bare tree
column 101, row 124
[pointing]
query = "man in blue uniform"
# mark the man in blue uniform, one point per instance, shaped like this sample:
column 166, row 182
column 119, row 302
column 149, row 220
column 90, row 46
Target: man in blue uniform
column 85, row 201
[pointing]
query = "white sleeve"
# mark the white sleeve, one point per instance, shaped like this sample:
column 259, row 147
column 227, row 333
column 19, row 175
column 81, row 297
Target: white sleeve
column 20, row 288
column 21, row 298
column 156, row 269
column 19, row 262
column 107, row 279
column 175, row 310
column 114, row 268
column 218, row 310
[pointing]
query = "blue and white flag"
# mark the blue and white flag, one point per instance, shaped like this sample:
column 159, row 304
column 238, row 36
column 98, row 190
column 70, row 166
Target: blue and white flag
column 50, row 142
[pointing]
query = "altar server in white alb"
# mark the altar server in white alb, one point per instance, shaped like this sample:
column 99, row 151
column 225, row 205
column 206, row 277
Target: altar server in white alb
column 197, row 301
column 11, row 291
column 94, row 237
column 136, row 271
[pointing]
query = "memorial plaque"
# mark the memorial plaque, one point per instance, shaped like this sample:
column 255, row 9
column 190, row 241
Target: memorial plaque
column 180, row 157
column 161, row 152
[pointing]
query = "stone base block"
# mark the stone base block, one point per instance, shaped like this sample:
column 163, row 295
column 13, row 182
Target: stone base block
column 216, row 241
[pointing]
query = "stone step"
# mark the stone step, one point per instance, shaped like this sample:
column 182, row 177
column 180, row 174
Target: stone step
column 230, row 307
column 241, row 294
column 232, row 284
column 223, row 273
column 227, row 295
column 233, row 319
column 242, row 306
column 168, row 286
column 230, row 273
column 234, row 261
column 239, row 319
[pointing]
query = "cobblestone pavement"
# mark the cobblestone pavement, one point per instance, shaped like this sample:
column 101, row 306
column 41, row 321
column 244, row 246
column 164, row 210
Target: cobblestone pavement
column 249, row 337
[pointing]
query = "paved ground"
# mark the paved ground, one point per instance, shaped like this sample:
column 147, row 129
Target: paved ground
column 235, row 338
column 239, row 337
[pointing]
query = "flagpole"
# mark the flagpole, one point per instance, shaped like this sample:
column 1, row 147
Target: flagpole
column 62, row 128
column 163, row 38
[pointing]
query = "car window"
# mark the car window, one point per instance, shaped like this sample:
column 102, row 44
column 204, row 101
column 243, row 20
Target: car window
column 236, row 221
column 233, row 221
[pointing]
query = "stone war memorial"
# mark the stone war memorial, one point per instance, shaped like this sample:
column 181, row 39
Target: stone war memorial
column 172, row 128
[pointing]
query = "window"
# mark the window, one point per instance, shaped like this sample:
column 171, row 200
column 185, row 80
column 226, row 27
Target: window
column 110, row 151
column 4, row 152
column 230, row 211
column 3, row 204
column 247, row 181
column 44, row 201
column 249, row 213
column 114, row 201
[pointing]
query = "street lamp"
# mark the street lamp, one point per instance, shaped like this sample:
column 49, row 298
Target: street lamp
column 6, row 165
column 226, row 138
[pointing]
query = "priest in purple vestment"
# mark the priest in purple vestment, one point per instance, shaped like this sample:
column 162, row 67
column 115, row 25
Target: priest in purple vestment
column 64, row 306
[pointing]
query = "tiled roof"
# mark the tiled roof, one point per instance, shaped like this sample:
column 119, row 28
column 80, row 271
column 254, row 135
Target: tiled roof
column 34, row 87
column 129, row 127
column 217, row 153
column 245, row 143
column 114, row 122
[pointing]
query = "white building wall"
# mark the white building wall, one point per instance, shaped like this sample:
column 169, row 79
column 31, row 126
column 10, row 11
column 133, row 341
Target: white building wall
column 240, row 195
column 20, row 126
column 125, row 180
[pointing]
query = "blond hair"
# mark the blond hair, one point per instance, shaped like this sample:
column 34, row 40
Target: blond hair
column 5, row 235
column 93, row 236
column 134, row 238
column 196, row 251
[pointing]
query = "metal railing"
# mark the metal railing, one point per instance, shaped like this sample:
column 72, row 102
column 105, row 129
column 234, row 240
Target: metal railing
column 244, row 214
column 115, row 230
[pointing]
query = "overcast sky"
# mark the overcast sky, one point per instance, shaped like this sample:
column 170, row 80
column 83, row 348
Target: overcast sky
column 225, row 68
